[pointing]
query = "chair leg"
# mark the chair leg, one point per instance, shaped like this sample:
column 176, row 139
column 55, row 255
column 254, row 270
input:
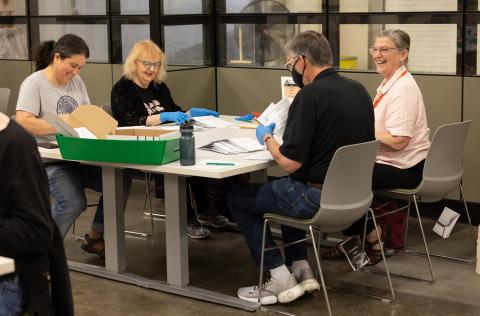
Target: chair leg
column 319, row 269
column 135, row 234
column 260, row 278
column 405, row 234
column 387, row 272
column 424, row 239
column 472, row 234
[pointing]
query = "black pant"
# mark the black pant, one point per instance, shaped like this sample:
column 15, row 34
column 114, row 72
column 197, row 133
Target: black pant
column 388, row 177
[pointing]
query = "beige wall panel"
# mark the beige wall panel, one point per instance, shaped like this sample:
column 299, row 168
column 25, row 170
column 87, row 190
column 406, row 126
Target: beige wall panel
column 471, row 108
column 241, row 91
column 117, row 71
column 192, row 88
column 98, row 80
column 13, row 73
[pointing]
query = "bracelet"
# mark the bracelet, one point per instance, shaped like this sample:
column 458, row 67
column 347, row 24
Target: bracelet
column 267, row 138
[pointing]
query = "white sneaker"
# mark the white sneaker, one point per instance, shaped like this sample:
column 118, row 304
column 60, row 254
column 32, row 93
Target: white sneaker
column 272, row 292
column 307, row 281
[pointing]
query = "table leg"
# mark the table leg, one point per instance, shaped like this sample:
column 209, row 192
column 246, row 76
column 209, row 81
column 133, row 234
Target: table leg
column 175, row 226
column 114, row 225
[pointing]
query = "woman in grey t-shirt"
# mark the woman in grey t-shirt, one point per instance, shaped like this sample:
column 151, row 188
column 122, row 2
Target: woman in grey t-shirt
column 57, row 88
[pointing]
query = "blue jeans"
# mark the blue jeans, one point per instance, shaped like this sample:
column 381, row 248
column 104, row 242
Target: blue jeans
column 67, row 182
column 11, row 298
column 285, row 196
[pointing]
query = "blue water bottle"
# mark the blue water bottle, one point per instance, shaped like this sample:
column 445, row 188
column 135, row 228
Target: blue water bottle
column 187, row 144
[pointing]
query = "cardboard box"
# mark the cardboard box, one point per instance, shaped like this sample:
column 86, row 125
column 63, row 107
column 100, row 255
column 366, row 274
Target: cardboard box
column 132, row 145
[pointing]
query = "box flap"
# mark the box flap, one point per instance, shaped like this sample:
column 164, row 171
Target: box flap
column 62, row 127
column 99, row 122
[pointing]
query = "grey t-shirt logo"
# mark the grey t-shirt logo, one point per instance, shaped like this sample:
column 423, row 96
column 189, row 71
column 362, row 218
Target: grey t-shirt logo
column 66, row 104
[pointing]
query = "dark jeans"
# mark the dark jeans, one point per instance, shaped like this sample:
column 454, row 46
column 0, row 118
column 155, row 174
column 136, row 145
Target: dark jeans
column 285, row 196
column 388, row 177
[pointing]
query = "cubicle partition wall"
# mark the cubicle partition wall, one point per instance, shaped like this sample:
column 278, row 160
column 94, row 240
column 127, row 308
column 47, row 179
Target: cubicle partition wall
column 12, row 73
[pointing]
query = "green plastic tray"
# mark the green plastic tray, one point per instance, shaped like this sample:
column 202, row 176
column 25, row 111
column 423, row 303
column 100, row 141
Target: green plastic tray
column 147, row 152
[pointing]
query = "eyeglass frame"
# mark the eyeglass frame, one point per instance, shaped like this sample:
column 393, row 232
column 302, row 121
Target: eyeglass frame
column 149, row 64
column 382, row 50
column 290, row 64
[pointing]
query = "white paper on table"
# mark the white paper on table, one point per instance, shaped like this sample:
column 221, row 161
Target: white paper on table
column 212, row 121
column 83, row 132
column 261, row 155
column 276, row 113
column 249, row 144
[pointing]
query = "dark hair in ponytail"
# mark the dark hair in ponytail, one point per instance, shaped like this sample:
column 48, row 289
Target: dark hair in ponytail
column 66, row 46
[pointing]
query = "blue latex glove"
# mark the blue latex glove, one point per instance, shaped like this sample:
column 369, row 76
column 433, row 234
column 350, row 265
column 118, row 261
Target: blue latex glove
column 262, row 130
column 245, row 118
column 177, row 117
column 202, row 112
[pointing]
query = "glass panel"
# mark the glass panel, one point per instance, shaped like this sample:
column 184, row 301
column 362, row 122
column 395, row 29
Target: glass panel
column 186, row 6
column 12, row 7
column 134, row 7
column 272, row 6
column 72, row 7
column 471, row 46
column 433, row 47
column 95, row 35
column 13, row 41
column 394, row 5
column 184, row 45
column 254, row 45
column 132, row 33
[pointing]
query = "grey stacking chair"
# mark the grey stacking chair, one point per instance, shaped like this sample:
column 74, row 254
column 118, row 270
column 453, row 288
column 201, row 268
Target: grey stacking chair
column 107, row 107
column 346, row 197
column 4, row 97
column 442, row 174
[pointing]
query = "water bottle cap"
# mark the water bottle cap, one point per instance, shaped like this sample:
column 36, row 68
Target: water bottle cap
column 186, row 127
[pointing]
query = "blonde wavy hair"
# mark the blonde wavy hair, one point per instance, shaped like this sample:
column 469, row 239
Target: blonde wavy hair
column 146, row 47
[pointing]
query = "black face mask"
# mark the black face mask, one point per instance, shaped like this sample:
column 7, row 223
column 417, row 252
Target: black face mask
column 297, row 78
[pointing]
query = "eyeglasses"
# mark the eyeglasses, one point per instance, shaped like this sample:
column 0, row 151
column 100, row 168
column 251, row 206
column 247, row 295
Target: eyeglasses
column 291, row 62
column 382, row 50
column 149, row 64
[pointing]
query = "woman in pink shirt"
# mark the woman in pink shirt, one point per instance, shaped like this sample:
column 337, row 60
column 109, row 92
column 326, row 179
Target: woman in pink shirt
column 400, row 122
column 400, row 119
column 400, row 126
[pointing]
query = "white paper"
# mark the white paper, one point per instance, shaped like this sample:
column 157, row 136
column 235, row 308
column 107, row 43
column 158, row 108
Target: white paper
column 83, row 132
column 233, row 146
column 212, row 121
column 276, row 113
column 261, row 155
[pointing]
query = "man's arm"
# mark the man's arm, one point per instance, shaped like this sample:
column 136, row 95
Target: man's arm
column 287, row 164
column 33, row 124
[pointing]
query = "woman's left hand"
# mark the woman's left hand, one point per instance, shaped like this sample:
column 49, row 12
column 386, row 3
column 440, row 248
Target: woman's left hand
column 202, row 112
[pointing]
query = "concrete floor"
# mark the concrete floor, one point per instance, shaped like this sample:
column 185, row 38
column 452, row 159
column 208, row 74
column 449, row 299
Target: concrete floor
column 222, row 264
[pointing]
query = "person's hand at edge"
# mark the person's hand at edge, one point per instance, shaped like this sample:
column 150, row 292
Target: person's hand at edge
column 262, row 130
column 202, row 112
column 177, row 117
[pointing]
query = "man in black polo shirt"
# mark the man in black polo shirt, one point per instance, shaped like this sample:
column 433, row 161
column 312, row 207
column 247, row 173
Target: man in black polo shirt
column 328, row 112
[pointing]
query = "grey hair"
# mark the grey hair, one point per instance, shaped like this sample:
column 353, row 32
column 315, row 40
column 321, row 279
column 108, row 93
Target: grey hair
column 400, row 38
column 312, row 45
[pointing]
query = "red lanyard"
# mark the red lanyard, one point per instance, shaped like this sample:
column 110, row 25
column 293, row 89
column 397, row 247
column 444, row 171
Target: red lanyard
column 380, row 96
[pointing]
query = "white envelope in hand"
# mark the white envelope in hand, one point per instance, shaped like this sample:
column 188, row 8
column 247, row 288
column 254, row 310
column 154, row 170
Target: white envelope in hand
column 445, row 222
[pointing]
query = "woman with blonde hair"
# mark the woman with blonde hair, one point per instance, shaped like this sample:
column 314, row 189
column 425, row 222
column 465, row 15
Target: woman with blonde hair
column 141, row 97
